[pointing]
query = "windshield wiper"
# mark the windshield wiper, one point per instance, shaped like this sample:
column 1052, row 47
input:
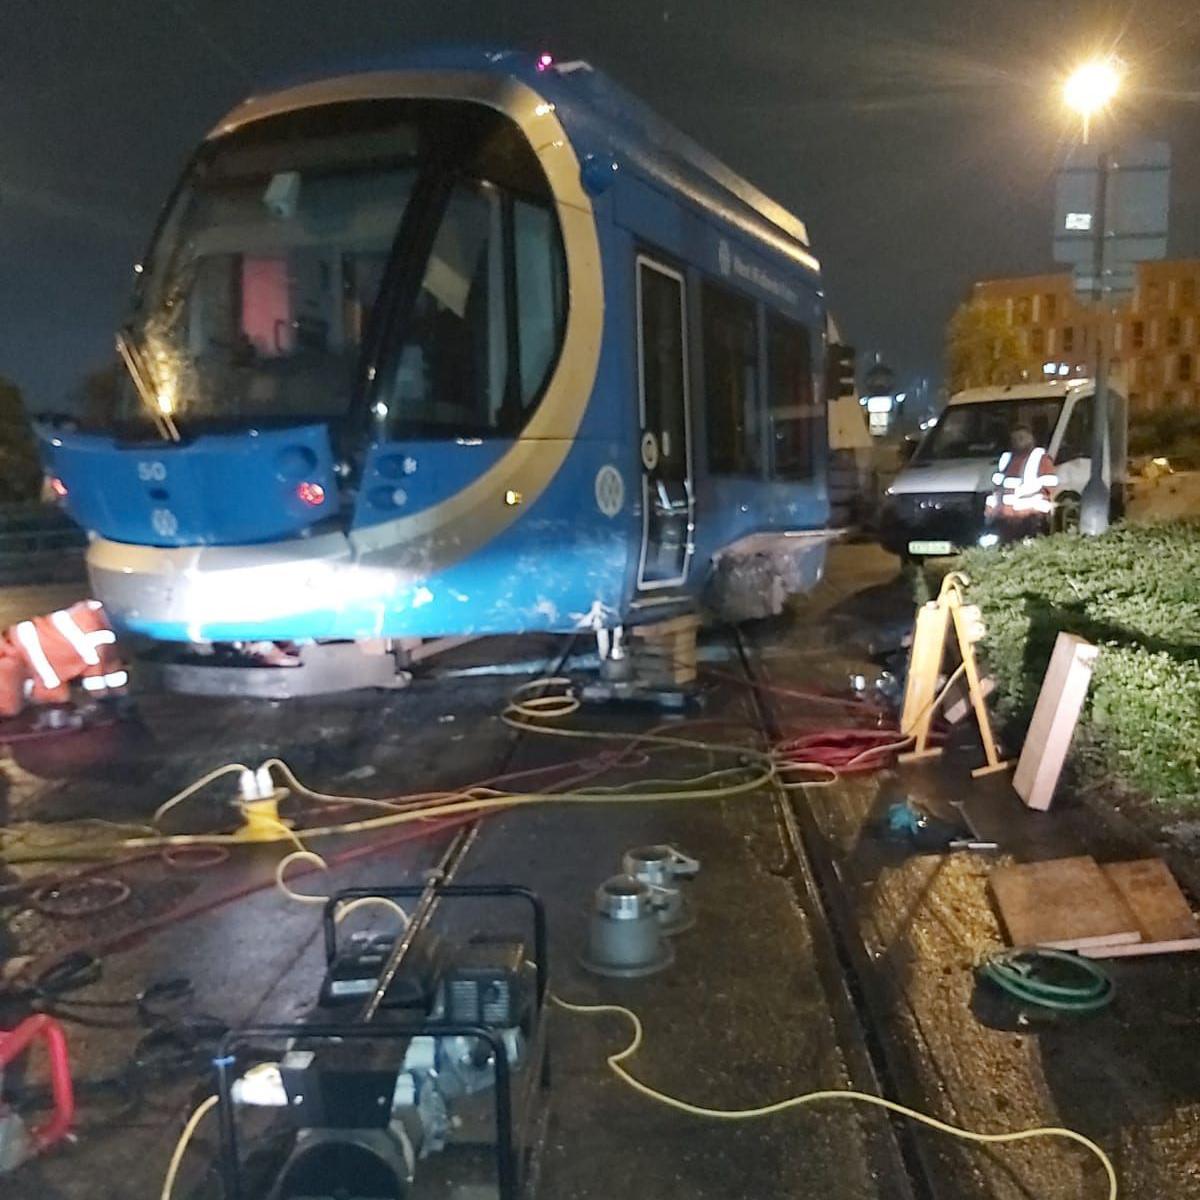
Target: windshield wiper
column 143, row 380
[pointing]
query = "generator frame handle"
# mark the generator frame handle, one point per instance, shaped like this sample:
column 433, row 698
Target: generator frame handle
column 226, row 1068
column 450, row 891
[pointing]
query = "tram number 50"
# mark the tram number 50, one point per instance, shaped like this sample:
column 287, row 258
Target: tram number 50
column 152, row 471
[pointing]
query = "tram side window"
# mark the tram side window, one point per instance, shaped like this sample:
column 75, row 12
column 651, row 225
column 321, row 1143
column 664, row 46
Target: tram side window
column 731, row 384
column 790, row 398
column 485, row 329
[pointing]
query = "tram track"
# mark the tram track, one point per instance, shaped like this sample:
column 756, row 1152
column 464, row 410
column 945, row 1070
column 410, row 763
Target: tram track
column 858, row 1001
column 444, row 871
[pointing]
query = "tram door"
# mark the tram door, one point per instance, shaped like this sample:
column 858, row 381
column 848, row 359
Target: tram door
column 666, row 450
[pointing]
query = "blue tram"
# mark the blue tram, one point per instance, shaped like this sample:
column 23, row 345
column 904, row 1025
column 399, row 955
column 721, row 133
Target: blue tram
column 471, row 343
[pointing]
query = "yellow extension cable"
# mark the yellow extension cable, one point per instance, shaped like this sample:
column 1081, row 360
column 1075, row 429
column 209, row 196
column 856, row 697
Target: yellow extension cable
column 185, row 1138
column 189, row 1131
column 526, row 714
column 470, row 801
column 827, row 1095
column 454, row 804
column 308, row 898
column 616, row 1065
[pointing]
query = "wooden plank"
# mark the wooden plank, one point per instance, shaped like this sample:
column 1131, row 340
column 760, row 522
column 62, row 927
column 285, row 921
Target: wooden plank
column 684, row 650
column 1137, row 949
column 912, row 756
column 1148, row 887
column 992, row 768
column 1054, row 717
column 971, row 670
column 1064, row 903
column 924, row 666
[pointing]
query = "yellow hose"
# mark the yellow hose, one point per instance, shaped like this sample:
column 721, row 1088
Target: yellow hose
column 845, row 1095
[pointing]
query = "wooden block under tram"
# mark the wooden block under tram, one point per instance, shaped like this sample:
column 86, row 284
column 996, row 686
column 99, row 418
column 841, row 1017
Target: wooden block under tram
column 665, row 652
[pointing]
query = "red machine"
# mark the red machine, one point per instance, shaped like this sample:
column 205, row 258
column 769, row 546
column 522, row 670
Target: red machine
column 19, row 1142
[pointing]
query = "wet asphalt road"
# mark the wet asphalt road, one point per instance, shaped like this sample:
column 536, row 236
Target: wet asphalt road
column 742, row 1017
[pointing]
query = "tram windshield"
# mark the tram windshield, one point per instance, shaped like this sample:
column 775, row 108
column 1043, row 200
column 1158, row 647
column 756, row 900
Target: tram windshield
column 421, row 230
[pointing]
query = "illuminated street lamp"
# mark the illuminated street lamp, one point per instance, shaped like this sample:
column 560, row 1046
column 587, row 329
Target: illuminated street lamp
column 1090, row 89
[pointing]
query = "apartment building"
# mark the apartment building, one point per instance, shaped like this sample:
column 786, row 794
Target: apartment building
column 1153, row 336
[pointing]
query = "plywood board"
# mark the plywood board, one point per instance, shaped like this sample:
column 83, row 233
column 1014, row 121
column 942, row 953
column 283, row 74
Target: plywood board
column 1161, row 909
column 1054, row 717
column 1064, row 903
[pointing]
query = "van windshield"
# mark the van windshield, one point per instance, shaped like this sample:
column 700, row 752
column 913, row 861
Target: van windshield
column 984, row 430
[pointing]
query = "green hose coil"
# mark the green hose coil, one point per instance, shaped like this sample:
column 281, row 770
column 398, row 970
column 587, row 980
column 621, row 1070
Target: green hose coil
column 1046, row 978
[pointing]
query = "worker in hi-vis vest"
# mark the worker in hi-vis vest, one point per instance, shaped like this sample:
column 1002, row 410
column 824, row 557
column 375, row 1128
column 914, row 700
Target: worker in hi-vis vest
column 1020, row 507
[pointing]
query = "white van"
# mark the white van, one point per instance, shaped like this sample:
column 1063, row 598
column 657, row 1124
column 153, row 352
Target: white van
column 935, row 506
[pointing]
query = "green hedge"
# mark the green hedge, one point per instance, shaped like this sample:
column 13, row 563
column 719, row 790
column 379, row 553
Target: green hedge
column 1136, row 592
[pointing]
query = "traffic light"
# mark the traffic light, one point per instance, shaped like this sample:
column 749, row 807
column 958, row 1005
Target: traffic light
column 839, row 371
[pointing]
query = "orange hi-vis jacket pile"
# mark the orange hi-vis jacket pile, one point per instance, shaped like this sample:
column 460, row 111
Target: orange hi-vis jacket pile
column 1025, row 480
column 42, row 657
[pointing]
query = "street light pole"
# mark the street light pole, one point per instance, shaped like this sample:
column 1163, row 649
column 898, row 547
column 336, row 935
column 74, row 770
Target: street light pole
column 1089, row 90
column 1095, row 503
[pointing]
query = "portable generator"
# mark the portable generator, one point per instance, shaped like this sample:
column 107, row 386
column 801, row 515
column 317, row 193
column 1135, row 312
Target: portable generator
column 437, row 1094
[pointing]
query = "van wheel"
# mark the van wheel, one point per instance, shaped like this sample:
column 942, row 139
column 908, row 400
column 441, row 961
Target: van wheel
column 1066, row 513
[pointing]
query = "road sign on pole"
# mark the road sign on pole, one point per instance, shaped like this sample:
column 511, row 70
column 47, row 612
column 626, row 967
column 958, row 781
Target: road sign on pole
column 1133, row 227
column 1110, row 214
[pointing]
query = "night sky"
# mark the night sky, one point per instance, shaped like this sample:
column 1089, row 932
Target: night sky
column 918, row 140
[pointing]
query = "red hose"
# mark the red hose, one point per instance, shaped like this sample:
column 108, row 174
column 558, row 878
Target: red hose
column 14, row 1043
column 595, row 765
column 843, row 750
column 123, row 939
column 856, row 703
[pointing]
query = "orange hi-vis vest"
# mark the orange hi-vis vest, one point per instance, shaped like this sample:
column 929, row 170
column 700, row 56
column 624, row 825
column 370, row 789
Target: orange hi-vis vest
column 1024, row 481
column 41, row 658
